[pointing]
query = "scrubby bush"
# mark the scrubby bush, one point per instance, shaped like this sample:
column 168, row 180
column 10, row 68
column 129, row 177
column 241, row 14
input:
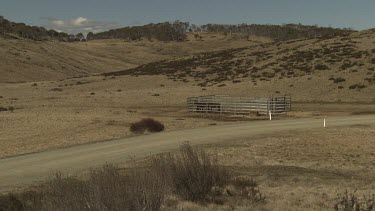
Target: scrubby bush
column 339, row 80
column 321, row 67
column 106, row 188
column 192, row 172
column 10, row 108
column 351, row 202
column 147, row 124
column 189, row 174
column 248, row 188
column 10, row 202
column 357, row 86
column 56, row 90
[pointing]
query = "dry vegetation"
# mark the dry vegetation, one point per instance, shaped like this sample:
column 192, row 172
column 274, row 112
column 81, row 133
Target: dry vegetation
column 25, row 60
column 306, row 170
column 341, row 65
column 320, row 169
column 188, row 175
column 146, row 125
column 54, row 114
column 93, row 109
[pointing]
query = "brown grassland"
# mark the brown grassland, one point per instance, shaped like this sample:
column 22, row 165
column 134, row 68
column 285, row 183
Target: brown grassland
column 55, row 97
column 25, row 60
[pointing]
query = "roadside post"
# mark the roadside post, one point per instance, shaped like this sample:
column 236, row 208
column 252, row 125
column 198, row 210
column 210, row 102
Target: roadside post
column 270, row 114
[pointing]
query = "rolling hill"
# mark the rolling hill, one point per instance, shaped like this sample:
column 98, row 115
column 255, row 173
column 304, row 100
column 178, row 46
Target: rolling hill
column 24, row 60
column 30, row 53
column 331, row 69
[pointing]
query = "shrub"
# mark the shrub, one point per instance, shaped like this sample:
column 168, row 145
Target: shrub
column 339, row 80
column 147, row 124
column 190, row 173
column 248, row 188
column 56, row 90
column 357, row 86
column 106, row 188
column 193, row 173
column 321, row 67
column 350, row 202
column 11, row 108
column 10, row 202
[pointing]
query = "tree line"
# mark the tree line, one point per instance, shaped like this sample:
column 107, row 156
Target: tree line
column 174, row 31
column 8, row 28
column 177, row 30
column 275, row 32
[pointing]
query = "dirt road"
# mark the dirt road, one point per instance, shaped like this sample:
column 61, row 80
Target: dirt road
column 31, row 168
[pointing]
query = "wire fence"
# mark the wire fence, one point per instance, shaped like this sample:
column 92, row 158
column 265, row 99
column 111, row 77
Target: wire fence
column 225, row 104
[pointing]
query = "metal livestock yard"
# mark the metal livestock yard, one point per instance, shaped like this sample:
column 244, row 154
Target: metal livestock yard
column 225, row 104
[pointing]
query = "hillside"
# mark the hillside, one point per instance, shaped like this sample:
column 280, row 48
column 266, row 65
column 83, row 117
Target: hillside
column 329, row 69
column 325, row 77
column 30, row 53
column 27, row 60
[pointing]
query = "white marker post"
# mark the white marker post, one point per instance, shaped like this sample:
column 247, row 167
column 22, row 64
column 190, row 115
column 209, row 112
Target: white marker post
column 270, row 114
column 324, row 123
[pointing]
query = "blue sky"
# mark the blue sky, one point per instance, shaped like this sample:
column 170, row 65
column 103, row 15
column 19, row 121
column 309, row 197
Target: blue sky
column 97, row 15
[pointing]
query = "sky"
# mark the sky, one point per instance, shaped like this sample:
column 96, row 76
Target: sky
column 75, row 16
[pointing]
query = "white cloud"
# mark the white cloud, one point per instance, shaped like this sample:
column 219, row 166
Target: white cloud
column 57, row 23
column 80, row 24
column 79, row 21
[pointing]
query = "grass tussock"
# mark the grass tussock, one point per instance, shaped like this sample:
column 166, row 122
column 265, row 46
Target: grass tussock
column 351, row 202
column 192, row 172
column 107, row 188
column 148, row 124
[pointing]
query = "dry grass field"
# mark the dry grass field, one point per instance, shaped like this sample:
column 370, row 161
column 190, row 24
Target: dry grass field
column 53, row 114
column 26, row 60
column 294, row 170
column 340, row 69
column 303, row 170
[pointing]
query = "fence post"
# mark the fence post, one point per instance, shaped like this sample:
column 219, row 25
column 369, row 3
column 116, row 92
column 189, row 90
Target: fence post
column 270, row 115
